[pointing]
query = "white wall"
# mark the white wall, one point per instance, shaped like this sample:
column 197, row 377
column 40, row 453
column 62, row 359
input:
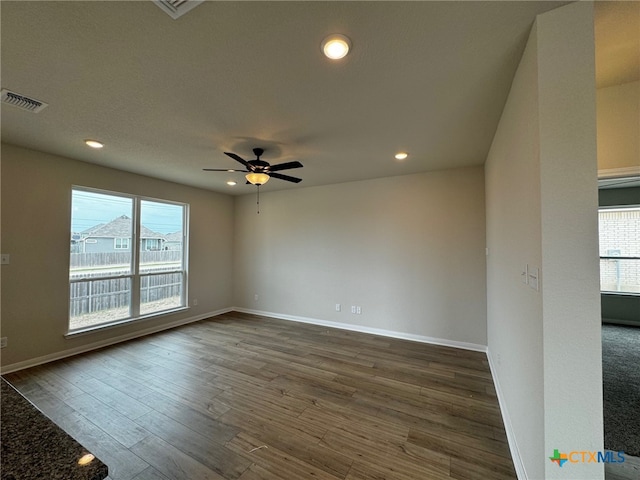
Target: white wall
column 569, row 192
column 514, row 311
column 409, row 250
column 541, row 192
column 36, row 205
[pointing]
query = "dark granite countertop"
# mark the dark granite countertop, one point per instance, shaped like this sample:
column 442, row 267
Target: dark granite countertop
column 34, row 447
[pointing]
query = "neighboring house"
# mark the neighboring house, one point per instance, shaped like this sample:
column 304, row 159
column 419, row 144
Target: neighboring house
column 115, row 236
column 173, row 241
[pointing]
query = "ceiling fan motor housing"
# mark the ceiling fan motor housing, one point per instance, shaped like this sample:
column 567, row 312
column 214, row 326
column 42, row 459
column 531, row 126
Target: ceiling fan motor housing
column 261, row 164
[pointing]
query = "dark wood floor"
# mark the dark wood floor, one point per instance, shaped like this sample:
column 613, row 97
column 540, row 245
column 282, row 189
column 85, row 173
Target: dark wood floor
column 247, row 397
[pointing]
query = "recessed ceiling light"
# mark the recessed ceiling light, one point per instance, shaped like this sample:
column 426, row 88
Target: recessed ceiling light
column 401, row 155
column 231, row 183
column 94, row 143
column 336, row 46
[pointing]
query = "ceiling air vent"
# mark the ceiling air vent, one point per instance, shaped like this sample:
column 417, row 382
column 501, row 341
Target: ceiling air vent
column 177, row 8
column 21, row 101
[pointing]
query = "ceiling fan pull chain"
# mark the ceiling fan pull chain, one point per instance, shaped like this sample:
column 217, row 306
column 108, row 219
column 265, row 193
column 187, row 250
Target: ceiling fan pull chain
column 258, row 202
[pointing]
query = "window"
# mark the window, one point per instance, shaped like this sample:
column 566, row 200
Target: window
column 620, row 250
column 108, row 283
column 122, row 243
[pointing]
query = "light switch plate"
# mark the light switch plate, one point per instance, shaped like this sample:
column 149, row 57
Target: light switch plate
column 5, row 259
column 533, row 278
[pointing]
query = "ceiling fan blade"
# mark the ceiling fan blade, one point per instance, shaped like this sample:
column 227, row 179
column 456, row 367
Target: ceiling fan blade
column 284, row 166
column 238, row 158
column 223, row 170
column 284, row 177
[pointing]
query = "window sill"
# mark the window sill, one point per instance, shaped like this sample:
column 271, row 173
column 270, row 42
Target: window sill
column 118, row 323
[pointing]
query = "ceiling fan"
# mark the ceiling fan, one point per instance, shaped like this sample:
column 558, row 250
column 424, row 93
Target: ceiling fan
column 258, row 171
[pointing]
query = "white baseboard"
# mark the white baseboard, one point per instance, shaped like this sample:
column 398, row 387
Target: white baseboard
column 619, row 321
column 374, row 331
column 32, row 362
column 518, row 464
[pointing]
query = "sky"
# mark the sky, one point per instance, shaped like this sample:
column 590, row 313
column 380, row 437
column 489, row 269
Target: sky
column 90, row 209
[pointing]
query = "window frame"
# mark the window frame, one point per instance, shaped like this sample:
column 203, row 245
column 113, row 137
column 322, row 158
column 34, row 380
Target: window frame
column 135, row 274
column 616, row 257
column 122, row 240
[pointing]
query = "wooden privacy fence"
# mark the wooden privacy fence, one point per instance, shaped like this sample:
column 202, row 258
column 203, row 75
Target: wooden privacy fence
column 99, row 294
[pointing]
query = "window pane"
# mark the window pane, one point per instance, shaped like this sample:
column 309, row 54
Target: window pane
column 620, row 275
column 620, row 237
column 99, row 301
column 160, row 292
column 100, row 235
column 620, row 232
column 161, row 236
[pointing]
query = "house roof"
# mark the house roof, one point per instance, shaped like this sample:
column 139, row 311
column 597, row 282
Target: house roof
column 119, row 228
column 173, row 237
column 169, row 97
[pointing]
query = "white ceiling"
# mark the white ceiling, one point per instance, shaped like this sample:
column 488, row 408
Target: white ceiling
column 168, row 97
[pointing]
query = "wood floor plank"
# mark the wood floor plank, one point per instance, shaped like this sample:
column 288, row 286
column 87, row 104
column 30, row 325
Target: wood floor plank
column 355, row 422
column 205, row 425
column 291, row 441
column 55, row 384
column 119, row 401
column 246, row 397
column 465, row 449
column 367, row 471
column 462, row 469
column 121, row 428
column 172, row 462
column 256, row 472
column 123, row 464
column 51, row 406
column 276, row 461
column 145, row 384
column 124, row 380
column 149, row 473
column 267, row 399
column 205, row 450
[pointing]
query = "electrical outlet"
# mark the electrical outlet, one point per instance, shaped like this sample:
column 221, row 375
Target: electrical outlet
column 195, row 302
column 338, row 307
column 359, row 310
column 5, row 259
column 353, row 309
column 255, row 297
column 3, row 342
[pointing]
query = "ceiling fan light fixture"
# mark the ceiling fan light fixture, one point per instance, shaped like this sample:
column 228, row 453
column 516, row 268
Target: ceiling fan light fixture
column 336, row 46
column 256, row 178
column 401, row 155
